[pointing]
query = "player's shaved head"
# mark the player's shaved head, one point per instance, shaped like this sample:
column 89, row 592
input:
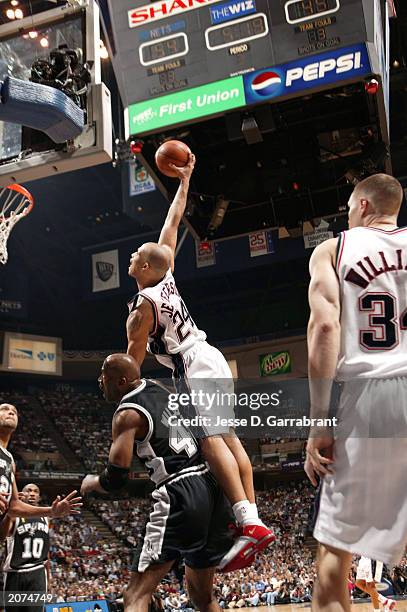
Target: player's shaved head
column 122, row 365
column 383, row 192
column 120, row 374
column 149, row 264
column 156, row 256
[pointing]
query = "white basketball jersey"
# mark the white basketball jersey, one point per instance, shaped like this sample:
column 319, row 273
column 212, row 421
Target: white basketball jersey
column 372, row 269
column 174, row 329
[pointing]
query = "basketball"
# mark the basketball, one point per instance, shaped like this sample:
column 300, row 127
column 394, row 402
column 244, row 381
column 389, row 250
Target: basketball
column 172, row 152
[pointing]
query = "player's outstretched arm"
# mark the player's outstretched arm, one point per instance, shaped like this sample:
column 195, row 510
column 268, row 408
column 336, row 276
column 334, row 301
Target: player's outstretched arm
column 128, row 425
column 169, row 232
column 323, row 351
column 140, row 323
column 70, row 504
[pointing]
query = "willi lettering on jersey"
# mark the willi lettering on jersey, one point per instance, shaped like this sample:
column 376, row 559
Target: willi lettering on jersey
column 370, row 268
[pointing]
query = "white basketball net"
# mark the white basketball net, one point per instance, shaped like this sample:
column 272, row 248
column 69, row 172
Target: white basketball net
column 13, row 207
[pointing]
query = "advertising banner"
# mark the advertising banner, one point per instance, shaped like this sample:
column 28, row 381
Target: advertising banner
column 275, row 363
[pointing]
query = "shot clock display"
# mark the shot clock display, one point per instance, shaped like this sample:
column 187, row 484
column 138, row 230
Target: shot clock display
column 298, row 11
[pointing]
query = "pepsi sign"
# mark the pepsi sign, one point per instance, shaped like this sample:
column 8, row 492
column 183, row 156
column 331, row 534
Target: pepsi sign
column 307, row 73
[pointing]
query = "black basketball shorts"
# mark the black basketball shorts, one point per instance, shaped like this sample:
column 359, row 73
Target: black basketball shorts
column 34, row 581
column 189, row 521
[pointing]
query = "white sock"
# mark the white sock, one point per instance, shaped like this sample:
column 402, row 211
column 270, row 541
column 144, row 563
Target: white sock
column 382, row 599
column 243, row 512
column 253, row 508
column 246, row 513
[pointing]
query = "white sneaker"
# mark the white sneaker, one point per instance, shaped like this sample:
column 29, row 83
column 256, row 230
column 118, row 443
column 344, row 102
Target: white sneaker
column 389, row 605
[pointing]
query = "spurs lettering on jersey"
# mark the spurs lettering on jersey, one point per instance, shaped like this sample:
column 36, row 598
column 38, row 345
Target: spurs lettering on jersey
column 372, row 268
column 174, row 329
column 28, row 545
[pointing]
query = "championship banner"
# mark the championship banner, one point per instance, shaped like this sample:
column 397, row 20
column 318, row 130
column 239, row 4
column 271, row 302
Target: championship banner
column 317, row 237
column 139, row 179
column 105, row 270
column 275, row 363
column 205, row 254
column 260, row 243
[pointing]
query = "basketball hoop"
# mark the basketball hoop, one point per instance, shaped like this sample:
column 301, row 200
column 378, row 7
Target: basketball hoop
column 15, row 203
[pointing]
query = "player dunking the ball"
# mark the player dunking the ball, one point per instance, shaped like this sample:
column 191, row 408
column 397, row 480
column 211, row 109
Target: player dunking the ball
column 357, row 334
column 160, row 320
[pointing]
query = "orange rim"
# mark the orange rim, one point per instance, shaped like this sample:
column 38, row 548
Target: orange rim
column 24, row 192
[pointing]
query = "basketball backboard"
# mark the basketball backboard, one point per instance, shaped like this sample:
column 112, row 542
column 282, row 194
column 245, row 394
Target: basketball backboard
column 27, row 154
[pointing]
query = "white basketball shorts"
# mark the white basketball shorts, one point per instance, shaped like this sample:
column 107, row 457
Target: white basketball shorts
column 363, row 504
column 208, row 376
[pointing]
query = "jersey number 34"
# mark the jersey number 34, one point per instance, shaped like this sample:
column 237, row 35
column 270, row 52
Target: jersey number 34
column 384, row 323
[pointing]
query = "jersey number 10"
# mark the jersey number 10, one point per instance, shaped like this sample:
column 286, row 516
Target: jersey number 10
column 32, row 548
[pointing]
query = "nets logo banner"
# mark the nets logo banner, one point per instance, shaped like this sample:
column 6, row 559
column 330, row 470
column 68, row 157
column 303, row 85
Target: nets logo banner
column 307, row 73
column 105, row 270
column 275, row 363
column 210, row 99
column 231, row 10
column 260, row 243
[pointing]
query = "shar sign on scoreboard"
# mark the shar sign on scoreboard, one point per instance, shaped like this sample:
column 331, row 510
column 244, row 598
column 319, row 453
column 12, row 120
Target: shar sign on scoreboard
column 277, row 82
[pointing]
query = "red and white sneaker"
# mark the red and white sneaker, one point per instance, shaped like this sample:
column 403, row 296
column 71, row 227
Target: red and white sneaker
column 253, row 539
column 389, row 605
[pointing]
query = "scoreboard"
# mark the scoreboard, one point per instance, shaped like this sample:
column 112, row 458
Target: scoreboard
column 178, row 60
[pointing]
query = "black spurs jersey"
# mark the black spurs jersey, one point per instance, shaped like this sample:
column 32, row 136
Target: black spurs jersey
column 169, row 448
column 28, row 545
column 6, row 474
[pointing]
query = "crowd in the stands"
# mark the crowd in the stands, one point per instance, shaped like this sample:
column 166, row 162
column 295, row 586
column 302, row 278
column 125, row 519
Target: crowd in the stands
column 86, row 565
column 85, row 422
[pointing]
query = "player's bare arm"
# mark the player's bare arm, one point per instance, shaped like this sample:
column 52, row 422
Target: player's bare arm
column 70, row 504
column 169, row 232
column 6, row 527
column 323, row 351
column 127, row 426
column 140, row 323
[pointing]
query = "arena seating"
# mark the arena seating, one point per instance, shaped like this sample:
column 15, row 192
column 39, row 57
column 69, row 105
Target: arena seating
column 86, row 564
